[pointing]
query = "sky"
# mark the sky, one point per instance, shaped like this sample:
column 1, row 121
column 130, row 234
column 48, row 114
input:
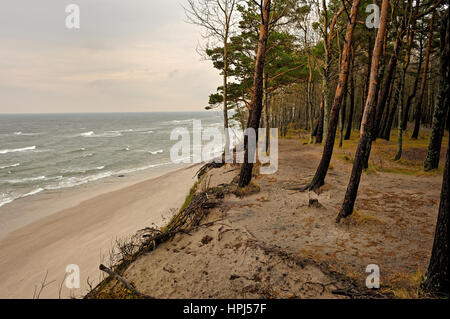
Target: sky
column 127, row 56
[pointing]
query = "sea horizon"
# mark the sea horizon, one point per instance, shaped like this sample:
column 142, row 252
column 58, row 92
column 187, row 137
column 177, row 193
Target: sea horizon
column 51, row 151
column 76, row 113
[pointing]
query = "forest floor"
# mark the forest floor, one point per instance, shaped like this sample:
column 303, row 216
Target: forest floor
column 272, row 243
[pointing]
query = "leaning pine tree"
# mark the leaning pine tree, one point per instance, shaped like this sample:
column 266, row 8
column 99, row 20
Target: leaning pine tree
column 436, row 280
column 319, row 177
column 256, row 103
column 367, row 121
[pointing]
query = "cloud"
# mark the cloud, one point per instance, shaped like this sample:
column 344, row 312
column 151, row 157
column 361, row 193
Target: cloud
column 127, row 56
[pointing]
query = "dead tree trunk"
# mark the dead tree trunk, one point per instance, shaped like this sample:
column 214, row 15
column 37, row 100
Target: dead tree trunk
column 319, row 178
column 257, row 97
column 367, row 122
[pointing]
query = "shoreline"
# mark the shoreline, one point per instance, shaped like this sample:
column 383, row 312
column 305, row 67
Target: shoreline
column 79, row 226
column 24, row 211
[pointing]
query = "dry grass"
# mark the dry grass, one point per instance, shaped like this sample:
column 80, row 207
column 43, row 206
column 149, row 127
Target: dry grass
column 359, row 218
column 248, row 190
column 405, row 286
column 383, row 152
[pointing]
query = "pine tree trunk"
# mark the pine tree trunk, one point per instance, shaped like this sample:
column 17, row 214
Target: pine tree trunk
column 418, row 114
column 382, row 101
column 343, row 105
column 319, row 133
column 319, row 177
column 400, row 98
column 390, row 122
column 267, row 118
column 441, row 110
column 257, row 97
column 412, row 31
column 414, row 90
column 437, row 277
column 378, row 112
column 225, row 97
column 309, row 99
column 367, row 122
column 348, row 131
column 342, row 117
column 386, row 115
column 326, row 70
column 366, row 82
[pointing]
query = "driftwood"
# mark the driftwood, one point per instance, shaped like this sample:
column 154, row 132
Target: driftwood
column 205, row 168
column 123, row 281
column 187, row 220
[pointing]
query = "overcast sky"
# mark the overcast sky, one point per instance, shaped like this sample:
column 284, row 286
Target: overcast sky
column 127, row 56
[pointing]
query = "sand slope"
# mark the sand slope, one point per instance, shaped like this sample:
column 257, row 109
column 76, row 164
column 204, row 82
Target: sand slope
column 83, row 235
column 274, row 245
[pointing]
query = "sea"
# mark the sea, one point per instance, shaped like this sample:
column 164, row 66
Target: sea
column 47, row 152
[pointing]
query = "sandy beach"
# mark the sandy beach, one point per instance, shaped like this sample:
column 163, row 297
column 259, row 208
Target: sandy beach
column 80, row 228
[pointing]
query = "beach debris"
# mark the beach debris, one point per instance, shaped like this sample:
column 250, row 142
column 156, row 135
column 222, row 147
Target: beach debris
column 119, row 278
column 314, row 202
column 205, row 168
column 206, row 240
column 169, row 270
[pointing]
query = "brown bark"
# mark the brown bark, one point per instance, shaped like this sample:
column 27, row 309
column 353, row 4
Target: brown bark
column 382, row 100
column 319, row 178
column 319, row 126
column 328, row 37
column 367, row 121
column 387, row 133
column 348, row 131
column 257, row 96
column 378, row 111
column 366, row 82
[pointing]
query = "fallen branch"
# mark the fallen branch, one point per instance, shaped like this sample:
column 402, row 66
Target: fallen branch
column 123, row 281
